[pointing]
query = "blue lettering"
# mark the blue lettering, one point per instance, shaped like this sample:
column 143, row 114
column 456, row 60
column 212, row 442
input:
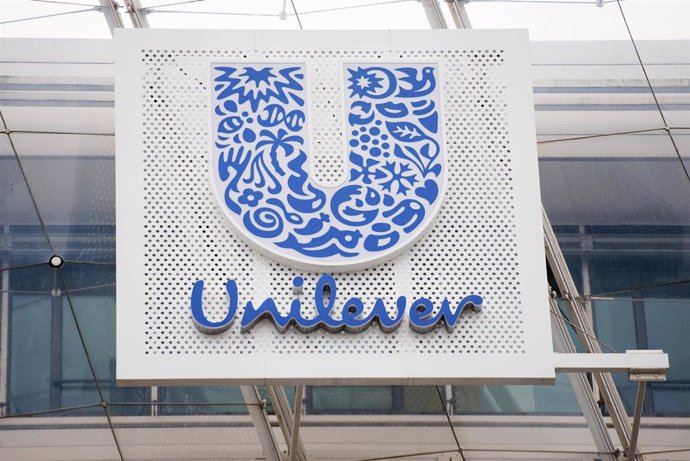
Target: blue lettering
column 267, row 310
column 352, row 316
column 449, row 318
column 422, row 319
column 379, row 314
column 199, row 318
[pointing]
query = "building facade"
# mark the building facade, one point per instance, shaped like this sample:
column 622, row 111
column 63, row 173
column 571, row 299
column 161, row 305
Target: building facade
column 614, row 180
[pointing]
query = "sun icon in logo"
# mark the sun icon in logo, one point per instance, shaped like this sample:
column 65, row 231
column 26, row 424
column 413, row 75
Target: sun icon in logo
column 260, row 84
column 363, row 82
column 258, row 77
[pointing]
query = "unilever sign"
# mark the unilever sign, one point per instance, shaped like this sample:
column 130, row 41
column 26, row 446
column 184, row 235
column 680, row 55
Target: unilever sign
column 282, row 194
column 391, row 195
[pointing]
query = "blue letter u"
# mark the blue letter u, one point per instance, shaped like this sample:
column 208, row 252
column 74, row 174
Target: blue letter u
column 203, row 324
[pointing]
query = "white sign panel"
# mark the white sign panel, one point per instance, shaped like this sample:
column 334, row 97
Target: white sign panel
column 328, row 207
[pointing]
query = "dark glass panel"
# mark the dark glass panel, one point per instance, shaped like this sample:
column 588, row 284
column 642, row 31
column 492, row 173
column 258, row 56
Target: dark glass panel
column 23, row 241
column 30, row 353
column 76, row 198
column 667, row 322
column 91, row 289
column 422, row 399
column 517, row 399
column 201, row 400
column 615, row 326
column 33, row 361
column 350, row 399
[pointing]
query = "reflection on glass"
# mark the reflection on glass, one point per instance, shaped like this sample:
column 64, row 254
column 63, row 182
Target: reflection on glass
column 374, row 400
column 423, row 399
column 514, row 399
column 350, row 399
column 75, row 196
column 30, row 383
column 23, row 241
column 92, row 296
column 48, row 366
column 667, row 325
column 201, row 400
column 615, row 325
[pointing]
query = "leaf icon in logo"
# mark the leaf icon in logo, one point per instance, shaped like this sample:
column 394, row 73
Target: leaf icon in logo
column 405, row 131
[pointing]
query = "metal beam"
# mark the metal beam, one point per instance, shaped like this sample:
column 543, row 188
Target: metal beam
column 585, row 333
column 137, row 14
column 639, row 403
column 112, row 16
column 434, row 14
column 582, row 389
column 257, row 411
column 4, row 327
column 295, row 441
column 459, row 14
column 647, row 365
column 287, row 419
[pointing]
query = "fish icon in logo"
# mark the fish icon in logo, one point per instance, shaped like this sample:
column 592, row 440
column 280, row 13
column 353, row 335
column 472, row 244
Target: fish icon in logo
column 396, row 170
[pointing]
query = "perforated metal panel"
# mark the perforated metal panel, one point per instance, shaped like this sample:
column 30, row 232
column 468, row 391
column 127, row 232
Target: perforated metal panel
column 172, row 231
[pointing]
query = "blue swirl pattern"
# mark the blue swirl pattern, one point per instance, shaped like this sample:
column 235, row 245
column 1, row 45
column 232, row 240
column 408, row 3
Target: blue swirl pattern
column 395, row 172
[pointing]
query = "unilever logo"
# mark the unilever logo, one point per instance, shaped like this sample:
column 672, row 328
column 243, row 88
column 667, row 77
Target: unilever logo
column 394, row 187
column 261, row 163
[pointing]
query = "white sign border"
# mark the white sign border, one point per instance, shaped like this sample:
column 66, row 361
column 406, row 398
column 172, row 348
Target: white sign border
column 136, row 368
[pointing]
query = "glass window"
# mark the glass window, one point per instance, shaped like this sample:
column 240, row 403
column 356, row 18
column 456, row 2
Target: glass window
column 350, row 399
column 422, row 399
column 514, row 399
column 667, row 323
column 615, row 325
column 48, row 366
column 641, row 302
column 30, row 348
column 201, row 400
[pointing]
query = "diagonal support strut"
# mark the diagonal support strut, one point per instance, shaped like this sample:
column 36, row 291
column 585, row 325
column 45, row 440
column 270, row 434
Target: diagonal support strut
column 289, row 420
column 262, row 425
column 585, row 333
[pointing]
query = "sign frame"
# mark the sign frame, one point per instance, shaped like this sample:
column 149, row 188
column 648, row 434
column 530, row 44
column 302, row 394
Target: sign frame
column 135, row 367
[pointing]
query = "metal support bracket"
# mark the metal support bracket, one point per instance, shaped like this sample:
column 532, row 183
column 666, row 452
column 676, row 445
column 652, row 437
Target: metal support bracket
column 641, row 365
column 112, row 16
column 646, row 365
column 582, row 388
column 434, row 14
column 637, row 417
column 289, row 420
column 459, row 14
column 585, row 333
column 257, row 410
column 136, row 14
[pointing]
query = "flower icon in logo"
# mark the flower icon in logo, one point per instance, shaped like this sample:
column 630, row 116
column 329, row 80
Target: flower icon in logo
column 364, row 168
column 399, row 174
column 250, row 197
